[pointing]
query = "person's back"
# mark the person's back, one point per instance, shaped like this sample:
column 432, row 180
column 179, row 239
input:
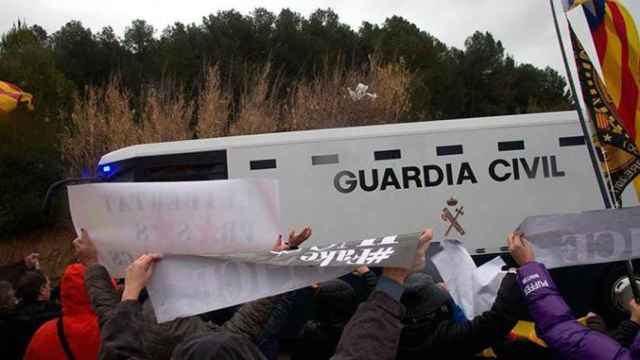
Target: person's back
column 79, row 327
column 335, row 303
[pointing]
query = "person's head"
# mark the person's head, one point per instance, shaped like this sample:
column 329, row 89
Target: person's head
column 217, row 345
column 73, row 294
column 427, row 305
column 33, row 286
column 7, row 297
column 335, row 301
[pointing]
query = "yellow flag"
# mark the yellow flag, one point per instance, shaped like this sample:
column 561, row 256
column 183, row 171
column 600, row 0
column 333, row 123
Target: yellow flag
column 12, row 96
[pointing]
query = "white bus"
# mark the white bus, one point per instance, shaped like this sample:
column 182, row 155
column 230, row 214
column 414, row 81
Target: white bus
column 472, row 179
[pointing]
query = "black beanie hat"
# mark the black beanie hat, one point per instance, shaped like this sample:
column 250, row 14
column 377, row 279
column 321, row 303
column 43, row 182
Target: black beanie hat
column 422, row 296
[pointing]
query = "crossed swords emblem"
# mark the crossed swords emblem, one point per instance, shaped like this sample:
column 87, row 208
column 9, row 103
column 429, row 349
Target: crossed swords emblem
column 452, row 219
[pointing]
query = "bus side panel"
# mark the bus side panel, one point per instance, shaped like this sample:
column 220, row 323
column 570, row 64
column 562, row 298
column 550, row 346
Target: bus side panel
column 494, row 190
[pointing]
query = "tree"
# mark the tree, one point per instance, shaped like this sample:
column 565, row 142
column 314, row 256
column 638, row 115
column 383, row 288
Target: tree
column 138, row 38
column 29, row 147
column 76, row 53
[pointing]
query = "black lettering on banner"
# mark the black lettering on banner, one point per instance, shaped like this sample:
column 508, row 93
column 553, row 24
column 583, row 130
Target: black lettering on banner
column 349, row 184
column 466, row 173
column 389, row 179
column 411, row 173
column 492, row 170
column 374, row 178
column 427, row 179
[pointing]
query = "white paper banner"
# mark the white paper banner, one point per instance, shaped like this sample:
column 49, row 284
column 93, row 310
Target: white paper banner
column 188, row 285
column 195, row 218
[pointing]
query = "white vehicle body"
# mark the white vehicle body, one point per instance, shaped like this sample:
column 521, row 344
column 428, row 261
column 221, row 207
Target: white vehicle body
column 499, row 170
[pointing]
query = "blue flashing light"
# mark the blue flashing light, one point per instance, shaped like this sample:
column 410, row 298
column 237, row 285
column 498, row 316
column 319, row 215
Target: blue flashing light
column 106, row 169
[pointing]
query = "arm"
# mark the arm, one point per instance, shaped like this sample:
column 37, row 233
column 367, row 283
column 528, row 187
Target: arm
column 557, row 326
column 121, row 333
column 97, row 281
column 374, row 331
column 554, row 322
column 485, row 330
column 104, row 297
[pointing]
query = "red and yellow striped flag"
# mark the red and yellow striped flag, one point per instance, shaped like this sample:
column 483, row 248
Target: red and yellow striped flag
column 12, row 96
column 616, row 40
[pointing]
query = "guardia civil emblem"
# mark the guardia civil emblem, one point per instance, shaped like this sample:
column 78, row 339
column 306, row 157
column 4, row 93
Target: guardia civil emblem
column 452, row 218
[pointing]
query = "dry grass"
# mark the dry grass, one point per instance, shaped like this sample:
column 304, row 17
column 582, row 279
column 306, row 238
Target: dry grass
column 258, row 112
column 104, row 120
column 325, row 101
column 213, row 107
column 101, row 122
column 166, row 115
column 53, row 244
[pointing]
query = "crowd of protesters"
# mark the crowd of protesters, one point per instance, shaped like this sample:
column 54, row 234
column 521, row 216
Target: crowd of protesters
column 394, row 314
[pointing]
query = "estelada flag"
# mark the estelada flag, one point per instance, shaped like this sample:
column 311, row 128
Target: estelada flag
column 621, row 155
column 616, row 40
column 12, row 96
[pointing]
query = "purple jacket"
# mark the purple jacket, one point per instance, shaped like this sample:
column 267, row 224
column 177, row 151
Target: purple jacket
column 557, row 326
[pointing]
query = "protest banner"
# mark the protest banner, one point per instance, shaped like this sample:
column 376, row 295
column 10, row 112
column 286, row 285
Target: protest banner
column 201, row 218
column 584, row 238
column 214, row 237
column 189, row 285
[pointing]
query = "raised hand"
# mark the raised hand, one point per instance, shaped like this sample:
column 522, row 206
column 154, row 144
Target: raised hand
column 85, row 249
column 520, row 249
column 138, row 274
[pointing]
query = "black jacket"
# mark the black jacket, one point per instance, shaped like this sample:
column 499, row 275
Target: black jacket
column 464, row 339
column 17, row 327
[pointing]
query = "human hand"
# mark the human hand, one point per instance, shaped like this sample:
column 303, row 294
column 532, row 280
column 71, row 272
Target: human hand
column 138, row 273
column 294, row 240
column 32, row 261
column 361, row 270
column 85, row 249
column 400, row 274
column 634, row 308
column 520, row 249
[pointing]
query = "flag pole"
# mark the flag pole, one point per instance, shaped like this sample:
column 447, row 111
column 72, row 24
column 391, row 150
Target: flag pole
column 583, row 123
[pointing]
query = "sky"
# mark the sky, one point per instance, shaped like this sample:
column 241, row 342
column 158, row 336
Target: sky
column 525, row 27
